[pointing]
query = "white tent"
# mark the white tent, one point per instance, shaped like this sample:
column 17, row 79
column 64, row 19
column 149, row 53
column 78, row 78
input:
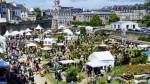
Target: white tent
column 38, row 27
column 4, row 64
column 1, row 50
column 21, row 32
column 95, row 63
column 49, row 31
column 103, row 45
column 7, row 33
column 68, row 32
column 28, row 34
column 14, row 33
column 89, row 28
column 38, row 58
column 104, row 57
column 3, row 44
column 49, row 41
column 46, row 32
column 143, row 46
column 61, row 27
column 31, row 45
column 28, row 30
column 67, row 61
column 60, row 44
column 78, row 32
column 2, row 38
column 37, row 39
column 71, row 37
column 46, row 48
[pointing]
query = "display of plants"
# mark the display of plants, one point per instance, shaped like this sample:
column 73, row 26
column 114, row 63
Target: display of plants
column 71, row 74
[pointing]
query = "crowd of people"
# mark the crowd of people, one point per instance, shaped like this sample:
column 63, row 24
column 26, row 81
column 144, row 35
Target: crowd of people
column 23, row 64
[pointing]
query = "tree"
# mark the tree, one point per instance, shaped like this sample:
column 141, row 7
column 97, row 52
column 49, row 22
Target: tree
column 113, row 18
column 37, row 12
column 83, row 31
column 95, row 21
column 147, row 17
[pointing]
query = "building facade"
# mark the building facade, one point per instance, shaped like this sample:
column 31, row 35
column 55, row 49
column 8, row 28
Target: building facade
column 124, row 25
column 129, row 12
column 14, row 12
column 61, row 15
column 86, row 16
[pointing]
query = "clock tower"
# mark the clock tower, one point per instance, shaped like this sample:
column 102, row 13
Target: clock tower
column 56, row 5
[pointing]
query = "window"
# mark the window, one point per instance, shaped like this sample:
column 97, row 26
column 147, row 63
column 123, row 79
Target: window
column 134, row 26
column 118, row 26
column 114, row 26
column 127, row 26
column 49, row 42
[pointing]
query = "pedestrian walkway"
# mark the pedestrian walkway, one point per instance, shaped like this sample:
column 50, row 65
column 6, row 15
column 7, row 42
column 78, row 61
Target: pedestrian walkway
column 37, row 78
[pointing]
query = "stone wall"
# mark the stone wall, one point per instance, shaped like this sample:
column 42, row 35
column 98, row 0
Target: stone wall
column 24, row 25
column 133, row 35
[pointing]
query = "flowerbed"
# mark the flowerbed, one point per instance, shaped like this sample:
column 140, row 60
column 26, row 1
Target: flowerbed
column 132, row 70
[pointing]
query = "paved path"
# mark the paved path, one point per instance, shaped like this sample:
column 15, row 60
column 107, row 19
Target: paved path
column 38, row 79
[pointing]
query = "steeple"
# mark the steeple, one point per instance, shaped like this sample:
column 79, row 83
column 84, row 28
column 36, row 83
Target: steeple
column 56, row 5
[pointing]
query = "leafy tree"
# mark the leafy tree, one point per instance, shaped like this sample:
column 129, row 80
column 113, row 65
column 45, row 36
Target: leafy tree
column 95, row 21
column 83, row 31
column 113, row 18
column 37, row 12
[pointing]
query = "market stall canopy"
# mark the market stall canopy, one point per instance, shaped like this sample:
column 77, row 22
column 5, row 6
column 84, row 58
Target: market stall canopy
column 37, row 39
column 38, row 27
column 3, row 82
column 14, row 33
column 49, row 41
column 95, row 63
column 2, row 38
column 89, row 28
column 78, row 32
column 46, row 48
column 68, row 32
column 60, row 44
column 61, row 27
column 4, row 64
column 67, row 61
column 144, row 46
column 147, row 52
column 38, row 58
column 31, row 45
column 71, row 37
column 1, row 50
column 49, row 31
column 28, row 30
column 104, row 55
column 103, row 45
column 46, row 32
column 28, row 34
column 7, row 33
column 21, row 32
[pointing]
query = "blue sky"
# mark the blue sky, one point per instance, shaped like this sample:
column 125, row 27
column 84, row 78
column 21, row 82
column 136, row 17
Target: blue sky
column 89, row 4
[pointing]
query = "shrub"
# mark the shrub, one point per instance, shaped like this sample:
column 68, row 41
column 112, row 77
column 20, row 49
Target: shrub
column 71, row 74
column 141, row 59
